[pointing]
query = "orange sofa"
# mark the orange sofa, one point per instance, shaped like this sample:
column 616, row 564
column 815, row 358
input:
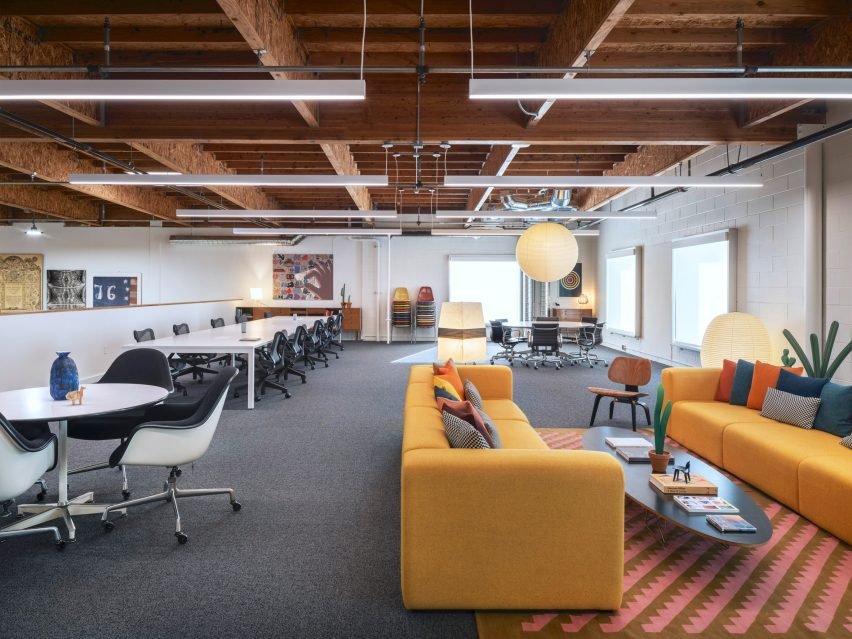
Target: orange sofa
column 521, row 527
column 807, row 470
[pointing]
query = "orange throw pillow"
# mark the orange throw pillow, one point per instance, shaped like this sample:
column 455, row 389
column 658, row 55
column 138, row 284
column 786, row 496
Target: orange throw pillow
column 765, row 377
column 726, row 381
column 450, row 373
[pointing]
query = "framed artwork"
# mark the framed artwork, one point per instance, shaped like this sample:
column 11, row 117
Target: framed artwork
column 116, row 290
column 20, row 282
column 302, row 276
column 572, row 284
column 66, row 289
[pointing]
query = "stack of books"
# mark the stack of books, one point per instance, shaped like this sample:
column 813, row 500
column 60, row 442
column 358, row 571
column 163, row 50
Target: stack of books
column 697, row 485
column 717, row 505
column 730, row 524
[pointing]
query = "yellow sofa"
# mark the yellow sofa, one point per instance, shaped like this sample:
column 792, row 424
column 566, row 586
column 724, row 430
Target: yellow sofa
column 807, row 470
column 522, row 527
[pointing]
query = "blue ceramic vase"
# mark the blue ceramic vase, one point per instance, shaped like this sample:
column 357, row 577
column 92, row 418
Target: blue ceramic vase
column 64, row 377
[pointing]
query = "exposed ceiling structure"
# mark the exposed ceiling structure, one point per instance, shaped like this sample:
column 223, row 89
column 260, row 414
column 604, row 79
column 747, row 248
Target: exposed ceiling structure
column 414, row 100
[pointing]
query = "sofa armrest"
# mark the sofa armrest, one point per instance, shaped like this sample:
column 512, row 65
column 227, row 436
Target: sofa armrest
column 492, row 382
column 512, row 529
column 697, row 384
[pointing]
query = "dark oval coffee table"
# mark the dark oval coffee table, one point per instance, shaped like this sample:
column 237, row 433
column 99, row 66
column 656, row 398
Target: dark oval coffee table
column 638, row 489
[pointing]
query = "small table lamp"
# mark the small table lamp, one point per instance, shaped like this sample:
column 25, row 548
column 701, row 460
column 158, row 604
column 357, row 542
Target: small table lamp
column 461, row 332
column 582, row 300
column 256, row 294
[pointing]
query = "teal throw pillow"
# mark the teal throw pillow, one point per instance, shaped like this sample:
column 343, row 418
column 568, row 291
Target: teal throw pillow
column 802, row 386
column 742, row 383
column 835, row 410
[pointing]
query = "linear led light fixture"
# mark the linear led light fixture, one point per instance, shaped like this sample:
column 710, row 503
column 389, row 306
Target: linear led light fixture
column 663, row 89
column 574, row 181
column 504, row 232
column 184, row 90
column 317, row 231
column 228, row 179
column 283, row 213
column 548, row 215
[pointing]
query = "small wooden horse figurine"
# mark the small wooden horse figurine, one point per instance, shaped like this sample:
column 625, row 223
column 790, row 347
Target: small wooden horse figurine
column 76, row 396
column 684, row 470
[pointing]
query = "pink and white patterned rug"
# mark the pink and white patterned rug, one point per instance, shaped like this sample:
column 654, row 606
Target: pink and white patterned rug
column 797, row 584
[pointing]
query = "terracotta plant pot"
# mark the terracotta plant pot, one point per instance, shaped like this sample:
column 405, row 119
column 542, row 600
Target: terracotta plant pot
column 659, row 463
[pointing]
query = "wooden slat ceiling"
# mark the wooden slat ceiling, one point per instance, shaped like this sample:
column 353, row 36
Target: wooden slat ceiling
column 585, row 139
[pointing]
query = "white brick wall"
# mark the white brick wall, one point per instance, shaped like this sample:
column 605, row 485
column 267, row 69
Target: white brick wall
column 770, row 259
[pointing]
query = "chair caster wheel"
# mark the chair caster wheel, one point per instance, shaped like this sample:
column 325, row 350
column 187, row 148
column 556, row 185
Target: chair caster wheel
column 304, row 381
column 60, row 545
column 237, row 506
column 41, row 495
column 287, row 395
column 125, row 494
column 182, row 538
column 108, row 526
column 178, row 472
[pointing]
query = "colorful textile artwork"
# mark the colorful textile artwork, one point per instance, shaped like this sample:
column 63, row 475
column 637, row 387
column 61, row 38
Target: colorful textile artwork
column 572, row 284
column 115, row 290
column 303, row 276
column 66, row 289
column 20, row 283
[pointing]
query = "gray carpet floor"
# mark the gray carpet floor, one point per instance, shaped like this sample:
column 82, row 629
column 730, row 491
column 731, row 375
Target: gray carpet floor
column 314, row 551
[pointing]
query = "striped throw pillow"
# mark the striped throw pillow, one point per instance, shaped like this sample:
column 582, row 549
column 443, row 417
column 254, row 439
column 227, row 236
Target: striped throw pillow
column 462, row 434
column 790, row 409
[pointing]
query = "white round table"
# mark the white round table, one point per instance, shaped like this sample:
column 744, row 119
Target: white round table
column 36, row 405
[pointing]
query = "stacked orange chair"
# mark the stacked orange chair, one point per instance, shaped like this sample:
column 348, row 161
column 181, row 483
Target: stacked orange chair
column 424, row 314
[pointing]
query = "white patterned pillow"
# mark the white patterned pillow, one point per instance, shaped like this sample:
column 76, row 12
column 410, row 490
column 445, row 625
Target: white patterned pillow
column 846, row 441
column 471, row 394
column 789, row 408
column 462, row 434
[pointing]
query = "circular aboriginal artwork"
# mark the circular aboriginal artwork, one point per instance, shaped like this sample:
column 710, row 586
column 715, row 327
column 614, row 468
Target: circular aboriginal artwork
column 571, row 281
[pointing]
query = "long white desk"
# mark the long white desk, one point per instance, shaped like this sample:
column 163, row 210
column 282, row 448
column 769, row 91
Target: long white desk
column 562, row 325
column 228, row 339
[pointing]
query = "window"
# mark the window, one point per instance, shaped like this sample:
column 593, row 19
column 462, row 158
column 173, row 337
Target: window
column 703, row 284
column 624, row 291
column 493, row 280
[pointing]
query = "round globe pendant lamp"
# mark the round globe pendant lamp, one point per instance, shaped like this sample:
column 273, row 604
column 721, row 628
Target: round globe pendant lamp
column 734, row 336
column 547, row 252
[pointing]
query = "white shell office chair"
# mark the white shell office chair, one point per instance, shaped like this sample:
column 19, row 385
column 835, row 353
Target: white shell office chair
column 22, row 463
column 176, row 435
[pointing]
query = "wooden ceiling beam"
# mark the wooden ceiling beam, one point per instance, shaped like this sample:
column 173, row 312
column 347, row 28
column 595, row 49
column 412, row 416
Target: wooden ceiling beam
column 582, row 27
column 54, row 164
column 496, row 163
column 648, row 160
column 700, row 36
column 108, row 7
column 186, row 157
column 51, row 200
column 830, row 43
column 739, row 8
column 149, row 35
column 263, row 25
column 21, row 45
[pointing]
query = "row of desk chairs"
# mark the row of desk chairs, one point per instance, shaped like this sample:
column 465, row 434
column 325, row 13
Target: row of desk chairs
column 545, row 343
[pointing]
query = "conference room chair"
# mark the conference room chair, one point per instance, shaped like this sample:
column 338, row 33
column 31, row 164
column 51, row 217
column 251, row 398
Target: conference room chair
column 175, row 435
column 327, row 334
column 219, row 322
column 589, row 319
column 273, row 364
column 544, row 343
column 632, row 372
column 198, row 363
column 239, row 317
column 334, row 325
column 507, row 338
column 176, row 365
column 22, row 463
column 268, row 314
column 135, row 366
column 294, row 353
column 314, row 351
column 588, row 339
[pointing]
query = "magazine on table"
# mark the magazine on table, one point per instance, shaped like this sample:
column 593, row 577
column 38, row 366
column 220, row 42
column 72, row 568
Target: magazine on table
column 730, row 524
column 627, row 442
column 697, row 504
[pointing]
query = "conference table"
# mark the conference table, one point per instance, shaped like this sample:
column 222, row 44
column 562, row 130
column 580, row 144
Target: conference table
column 36, row 405
column 571, row 326
column 227, row 339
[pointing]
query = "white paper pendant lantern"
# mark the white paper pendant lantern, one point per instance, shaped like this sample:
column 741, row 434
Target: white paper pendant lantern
column 734, row 336
column 547, row 252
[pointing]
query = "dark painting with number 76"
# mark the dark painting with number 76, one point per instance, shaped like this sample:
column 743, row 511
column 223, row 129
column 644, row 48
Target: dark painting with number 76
column 115, row 290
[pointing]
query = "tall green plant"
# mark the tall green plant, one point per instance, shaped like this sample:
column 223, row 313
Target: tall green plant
column 661, row 421
column 820, row 364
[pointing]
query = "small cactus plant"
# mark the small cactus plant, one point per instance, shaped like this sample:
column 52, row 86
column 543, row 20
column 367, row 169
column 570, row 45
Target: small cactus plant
column 343, row 294
column 661, row 421
column 786, row 359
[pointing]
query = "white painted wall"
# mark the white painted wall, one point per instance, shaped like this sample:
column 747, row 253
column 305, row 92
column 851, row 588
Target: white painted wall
column 837, row 202
column 769, row 223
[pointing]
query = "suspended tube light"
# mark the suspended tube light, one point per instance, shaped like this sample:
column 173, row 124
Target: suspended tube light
column 283, row 213
column 317, row 231
column 575, row 181
column 227, row 179
column 549, row 215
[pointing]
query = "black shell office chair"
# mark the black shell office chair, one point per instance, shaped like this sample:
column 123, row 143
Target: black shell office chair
column 544, row 343
column 588, row 339
column 294, row 353
column 507, row 338
column 198, row 363
column 176, row 365
column 273, row 364
column 334, row 325
column 175, row 435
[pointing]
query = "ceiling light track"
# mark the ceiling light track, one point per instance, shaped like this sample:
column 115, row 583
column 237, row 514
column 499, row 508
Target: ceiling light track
column 317, row 231
column 594, row 181
column 236, row 214
column 229, row 179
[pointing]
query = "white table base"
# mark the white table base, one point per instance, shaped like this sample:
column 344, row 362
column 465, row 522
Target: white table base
column 64, row 508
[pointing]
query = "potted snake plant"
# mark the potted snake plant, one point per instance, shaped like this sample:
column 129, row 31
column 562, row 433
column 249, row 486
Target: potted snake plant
column 659, row 455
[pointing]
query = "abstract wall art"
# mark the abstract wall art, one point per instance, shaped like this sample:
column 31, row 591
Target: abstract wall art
column 306, row 277
column 116, row 290
column 20, row 282
column 66, row 289
column 572, row 284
